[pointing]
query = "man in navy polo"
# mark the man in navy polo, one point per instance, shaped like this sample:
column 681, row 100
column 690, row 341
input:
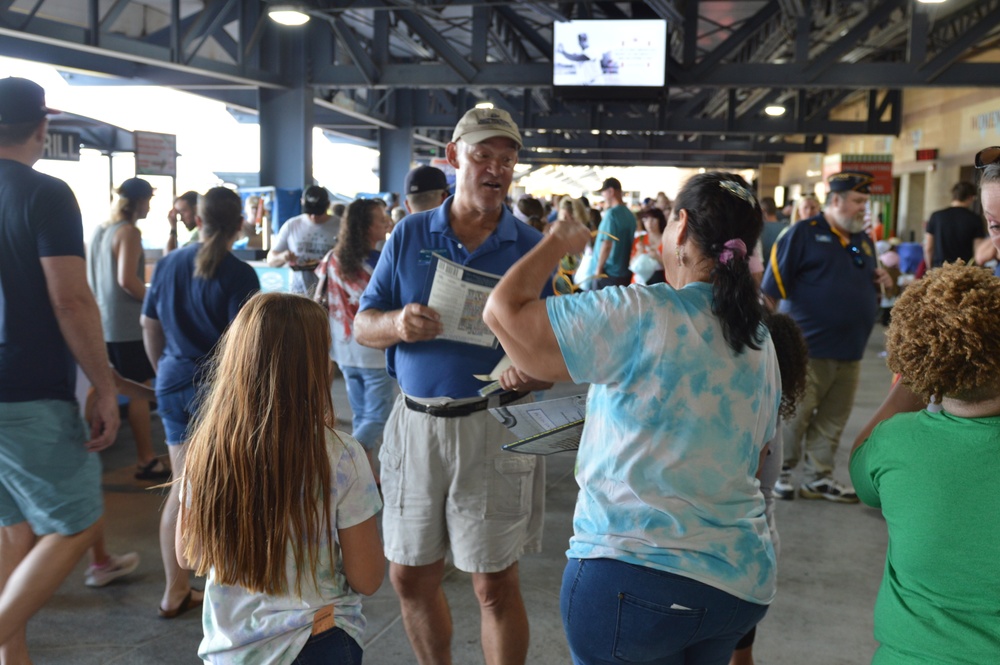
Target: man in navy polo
column 825, row 270
column 447, row 484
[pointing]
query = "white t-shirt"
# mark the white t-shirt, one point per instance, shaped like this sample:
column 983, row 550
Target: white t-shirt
column 253, row 628
column 309, row 242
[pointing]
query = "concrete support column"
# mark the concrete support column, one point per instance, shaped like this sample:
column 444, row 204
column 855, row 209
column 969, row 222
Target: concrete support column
column 286, row 119
column 395, row 146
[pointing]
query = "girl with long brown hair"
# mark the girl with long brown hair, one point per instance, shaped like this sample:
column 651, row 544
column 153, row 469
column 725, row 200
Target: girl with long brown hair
column 279, row 509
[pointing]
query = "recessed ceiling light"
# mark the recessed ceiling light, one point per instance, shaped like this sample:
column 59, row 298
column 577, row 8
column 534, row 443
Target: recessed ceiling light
column 774, row 110
column 286, row 14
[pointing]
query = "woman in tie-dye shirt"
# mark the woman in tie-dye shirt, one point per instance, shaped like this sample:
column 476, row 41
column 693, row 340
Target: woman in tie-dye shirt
column 671, row 560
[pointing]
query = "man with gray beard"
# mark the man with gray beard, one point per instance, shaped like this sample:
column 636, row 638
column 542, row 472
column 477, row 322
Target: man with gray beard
column 824, row 269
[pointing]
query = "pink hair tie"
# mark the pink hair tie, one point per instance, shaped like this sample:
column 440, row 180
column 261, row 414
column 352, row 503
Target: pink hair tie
column 734, row 248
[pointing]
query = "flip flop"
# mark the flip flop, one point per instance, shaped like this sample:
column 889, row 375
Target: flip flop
column 187, row 604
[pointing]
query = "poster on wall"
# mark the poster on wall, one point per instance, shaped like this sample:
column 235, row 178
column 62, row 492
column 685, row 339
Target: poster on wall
column 155, row 154
column 879, row 165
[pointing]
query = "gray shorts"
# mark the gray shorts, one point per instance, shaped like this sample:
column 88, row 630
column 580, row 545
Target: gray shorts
column 447, row 483
column 47, row 478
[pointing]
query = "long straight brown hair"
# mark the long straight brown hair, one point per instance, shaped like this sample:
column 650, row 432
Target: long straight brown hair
column 257, row 474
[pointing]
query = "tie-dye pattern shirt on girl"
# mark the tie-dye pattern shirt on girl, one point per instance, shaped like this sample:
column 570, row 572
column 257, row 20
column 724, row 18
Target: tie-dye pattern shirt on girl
column 675, row 424
column 251, row 628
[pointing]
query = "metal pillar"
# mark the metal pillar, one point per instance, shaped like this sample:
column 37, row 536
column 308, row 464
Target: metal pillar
column 396, row 146
column 286, row 119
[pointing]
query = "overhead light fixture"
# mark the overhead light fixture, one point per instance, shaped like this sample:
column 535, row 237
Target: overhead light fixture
column 484, row 105
column 774, row 110
column 930, row 2
column 288, row 14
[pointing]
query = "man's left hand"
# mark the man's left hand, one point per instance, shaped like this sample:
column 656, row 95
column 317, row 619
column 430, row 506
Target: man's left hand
column 514, row 379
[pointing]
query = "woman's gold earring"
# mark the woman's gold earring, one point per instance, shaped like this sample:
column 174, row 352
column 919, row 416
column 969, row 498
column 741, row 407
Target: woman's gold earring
column 680, row 255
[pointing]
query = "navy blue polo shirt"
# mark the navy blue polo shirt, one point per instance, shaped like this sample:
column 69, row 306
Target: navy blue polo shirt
column 830, row 293
column 439, row 368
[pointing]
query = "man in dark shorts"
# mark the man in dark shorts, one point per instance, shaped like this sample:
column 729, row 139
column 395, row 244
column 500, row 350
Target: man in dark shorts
column 50, row 479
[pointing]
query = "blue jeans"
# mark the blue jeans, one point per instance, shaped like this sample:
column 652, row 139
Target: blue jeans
column 176, row 412
column 371, row 392
column 331, row 646
column 616, row 612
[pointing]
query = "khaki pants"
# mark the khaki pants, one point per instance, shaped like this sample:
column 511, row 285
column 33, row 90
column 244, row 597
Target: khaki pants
column 821, row 415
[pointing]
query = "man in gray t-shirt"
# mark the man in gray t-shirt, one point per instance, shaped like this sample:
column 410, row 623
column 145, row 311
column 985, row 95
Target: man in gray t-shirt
column 305, row 239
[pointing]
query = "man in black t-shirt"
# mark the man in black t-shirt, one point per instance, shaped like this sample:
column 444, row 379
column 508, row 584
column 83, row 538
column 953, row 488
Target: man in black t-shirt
column 50, row 477
column 953, row 234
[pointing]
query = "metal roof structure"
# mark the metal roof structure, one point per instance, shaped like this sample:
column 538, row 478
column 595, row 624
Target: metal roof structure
column 375, row 65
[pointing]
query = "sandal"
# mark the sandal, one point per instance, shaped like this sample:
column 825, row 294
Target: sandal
column 188, row 603
column 155, row 470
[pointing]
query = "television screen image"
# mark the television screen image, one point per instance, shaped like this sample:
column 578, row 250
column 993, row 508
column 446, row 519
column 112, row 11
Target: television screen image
column 609, row 53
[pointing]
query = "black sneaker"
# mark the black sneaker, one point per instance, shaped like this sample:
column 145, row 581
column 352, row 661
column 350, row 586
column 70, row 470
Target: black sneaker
column 829, row 489
column 155, row 470
column 784, row 487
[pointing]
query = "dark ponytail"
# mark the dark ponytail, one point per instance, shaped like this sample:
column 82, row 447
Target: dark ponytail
column 221, row 213
column 725, row 222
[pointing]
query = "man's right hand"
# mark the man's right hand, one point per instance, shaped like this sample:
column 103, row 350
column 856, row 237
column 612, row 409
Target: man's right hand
column 418, row 323
column 104, row 422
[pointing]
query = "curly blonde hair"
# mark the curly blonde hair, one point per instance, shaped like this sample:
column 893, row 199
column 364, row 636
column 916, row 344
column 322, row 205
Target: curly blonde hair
column 945, row 334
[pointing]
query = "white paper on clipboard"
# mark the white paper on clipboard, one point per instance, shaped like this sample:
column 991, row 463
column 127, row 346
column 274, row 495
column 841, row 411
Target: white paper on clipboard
column 544, row 427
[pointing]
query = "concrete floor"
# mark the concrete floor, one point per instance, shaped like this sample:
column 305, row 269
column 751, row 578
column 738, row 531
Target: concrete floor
column 830, row 569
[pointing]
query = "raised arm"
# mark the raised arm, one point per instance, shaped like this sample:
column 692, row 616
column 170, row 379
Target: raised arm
column 80, row 324
column 519, row 318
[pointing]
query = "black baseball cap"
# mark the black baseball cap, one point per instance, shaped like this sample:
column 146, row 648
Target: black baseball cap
column 22, row 100
column 135, row 189
column 424, row 179
column 315, row 200
column 613, row 183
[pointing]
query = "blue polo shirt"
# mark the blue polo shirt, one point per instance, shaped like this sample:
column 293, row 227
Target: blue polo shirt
column 439, row 368
column 830, row 293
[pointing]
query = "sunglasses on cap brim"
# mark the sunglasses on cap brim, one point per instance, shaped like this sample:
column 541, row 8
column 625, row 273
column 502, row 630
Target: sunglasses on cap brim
column 987, row 156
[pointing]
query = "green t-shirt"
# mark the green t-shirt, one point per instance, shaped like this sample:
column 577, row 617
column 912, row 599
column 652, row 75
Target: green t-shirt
column 617, row 222
column 934, row 476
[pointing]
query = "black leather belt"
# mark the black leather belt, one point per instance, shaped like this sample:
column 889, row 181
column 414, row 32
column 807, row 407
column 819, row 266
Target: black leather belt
column 445, row 411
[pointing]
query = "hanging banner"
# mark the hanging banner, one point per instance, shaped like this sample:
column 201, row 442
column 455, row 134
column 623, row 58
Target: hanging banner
column 62, row 146
column 155, row 154
column 879, row 165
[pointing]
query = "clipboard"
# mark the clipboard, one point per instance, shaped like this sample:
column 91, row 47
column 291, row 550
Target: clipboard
column 564, row 438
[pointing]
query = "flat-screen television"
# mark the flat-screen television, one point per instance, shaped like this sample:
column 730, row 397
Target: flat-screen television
column 617, row 55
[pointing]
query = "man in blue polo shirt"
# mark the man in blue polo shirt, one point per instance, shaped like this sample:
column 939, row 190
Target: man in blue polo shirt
column 447, row 484
column 825, row 270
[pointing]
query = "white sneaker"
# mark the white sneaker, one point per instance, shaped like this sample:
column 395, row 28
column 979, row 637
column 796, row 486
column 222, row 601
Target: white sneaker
column 784, row 487
column 116, row 566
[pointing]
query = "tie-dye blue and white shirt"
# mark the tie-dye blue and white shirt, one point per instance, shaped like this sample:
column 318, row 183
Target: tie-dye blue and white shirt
column 675, row 424
column 249, row 628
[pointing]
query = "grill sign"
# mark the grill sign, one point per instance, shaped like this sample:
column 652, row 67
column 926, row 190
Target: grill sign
column 62, row 146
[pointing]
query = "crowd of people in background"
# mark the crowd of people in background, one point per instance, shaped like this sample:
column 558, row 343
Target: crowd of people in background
column 703, row 402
